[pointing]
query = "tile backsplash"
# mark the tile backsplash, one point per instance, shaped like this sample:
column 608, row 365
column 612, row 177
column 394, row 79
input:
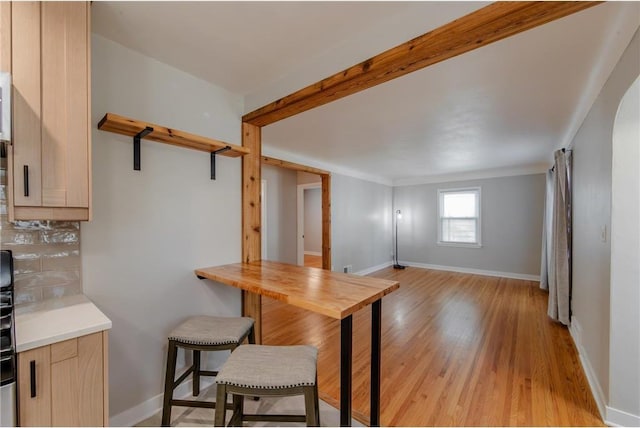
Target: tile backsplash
column 46, row 253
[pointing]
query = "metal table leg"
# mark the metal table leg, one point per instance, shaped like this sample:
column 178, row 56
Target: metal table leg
column 346, row 333
column 376, row 349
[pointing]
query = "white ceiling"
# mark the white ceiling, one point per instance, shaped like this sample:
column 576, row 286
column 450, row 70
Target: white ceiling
column 498, row 110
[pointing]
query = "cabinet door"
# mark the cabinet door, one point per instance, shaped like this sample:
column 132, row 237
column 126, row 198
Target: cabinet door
column 64, row 383
column 5, row 36
column 34, row 387
column 70, row 383
column 25, row 42
column 91, row 381
column 65, row 104
column 77, row 382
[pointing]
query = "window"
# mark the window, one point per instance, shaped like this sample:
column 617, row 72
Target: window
column 459, row 217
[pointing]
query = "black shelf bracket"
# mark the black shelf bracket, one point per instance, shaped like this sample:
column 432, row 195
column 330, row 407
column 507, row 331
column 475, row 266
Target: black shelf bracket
column 213, row 160
column 136, row 146
column 200, row 277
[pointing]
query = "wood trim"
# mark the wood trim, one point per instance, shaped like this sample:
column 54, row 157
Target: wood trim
column 293, row 166
column 122, row 125
column 480, row 28
column 326, row 222
column 251, row 217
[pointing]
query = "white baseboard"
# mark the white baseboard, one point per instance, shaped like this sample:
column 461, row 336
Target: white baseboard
column 473, row 271
column 618, row 418
column 313, row 253
column 373, row 269
column 596, row 390
column 146, row 409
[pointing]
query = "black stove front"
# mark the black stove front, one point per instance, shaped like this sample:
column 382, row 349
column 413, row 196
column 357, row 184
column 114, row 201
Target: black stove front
column 7, row 349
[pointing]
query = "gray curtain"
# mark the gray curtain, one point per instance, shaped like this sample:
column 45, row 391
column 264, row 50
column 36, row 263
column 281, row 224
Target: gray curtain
column 558, row 275
column 547, row 233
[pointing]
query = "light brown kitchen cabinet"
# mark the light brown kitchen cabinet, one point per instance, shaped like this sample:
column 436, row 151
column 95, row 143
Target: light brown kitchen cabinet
column 50, row 155
column 63, row 384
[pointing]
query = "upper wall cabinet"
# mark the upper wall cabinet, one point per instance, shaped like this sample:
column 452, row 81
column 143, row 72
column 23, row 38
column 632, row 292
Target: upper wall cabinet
column 50, row 157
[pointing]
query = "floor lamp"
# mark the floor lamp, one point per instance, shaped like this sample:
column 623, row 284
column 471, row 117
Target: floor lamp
column 396, row 264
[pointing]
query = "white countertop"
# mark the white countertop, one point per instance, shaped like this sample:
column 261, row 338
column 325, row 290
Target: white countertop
column 54, row 320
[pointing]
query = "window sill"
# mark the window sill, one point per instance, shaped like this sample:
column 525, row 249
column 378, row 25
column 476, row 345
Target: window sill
column 458, row 244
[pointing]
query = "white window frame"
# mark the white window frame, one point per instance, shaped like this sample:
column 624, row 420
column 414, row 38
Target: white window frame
column 478, row 191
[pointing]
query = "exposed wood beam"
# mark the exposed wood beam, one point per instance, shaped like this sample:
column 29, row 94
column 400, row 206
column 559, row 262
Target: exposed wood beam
column 293, row 166
column 480, row 28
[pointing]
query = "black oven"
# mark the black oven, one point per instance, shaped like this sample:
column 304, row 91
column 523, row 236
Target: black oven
column 7, row 350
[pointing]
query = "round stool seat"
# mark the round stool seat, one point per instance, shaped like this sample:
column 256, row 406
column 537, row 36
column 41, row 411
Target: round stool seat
column 206, row 330
column 270, row 367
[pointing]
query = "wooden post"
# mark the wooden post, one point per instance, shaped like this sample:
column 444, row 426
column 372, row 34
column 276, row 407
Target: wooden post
column 251, row 216
column 326, row 221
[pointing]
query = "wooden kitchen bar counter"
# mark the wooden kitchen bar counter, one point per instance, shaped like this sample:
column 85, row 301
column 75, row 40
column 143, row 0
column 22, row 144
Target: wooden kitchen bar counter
column 333, row 294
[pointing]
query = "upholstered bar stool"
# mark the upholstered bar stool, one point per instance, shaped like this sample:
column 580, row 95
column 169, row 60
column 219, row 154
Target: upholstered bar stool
column 259, row 370
column 201, row 333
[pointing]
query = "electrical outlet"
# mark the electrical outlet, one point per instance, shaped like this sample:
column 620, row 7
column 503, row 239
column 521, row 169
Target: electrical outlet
column 348, row 269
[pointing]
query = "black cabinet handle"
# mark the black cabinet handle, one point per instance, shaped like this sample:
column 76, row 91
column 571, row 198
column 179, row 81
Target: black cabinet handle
column 25, row 171
column 32, row 370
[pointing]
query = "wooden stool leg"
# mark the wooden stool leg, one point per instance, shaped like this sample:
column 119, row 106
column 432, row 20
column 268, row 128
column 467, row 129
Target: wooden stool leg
column 196, row 373
column 311, row 406
column 221, row 405
column 252, row 336
column 238, row 410
column 317, row 402
column 170, row 375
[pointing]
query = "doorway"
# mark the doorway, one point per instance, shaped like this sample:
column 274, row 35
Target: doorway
column 309, row 221
column 309, row 175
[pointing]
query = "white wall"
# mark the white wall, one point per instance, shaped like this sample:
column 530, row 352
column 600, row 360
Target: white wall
column 281, row 214
column 313, row 220
column 152, row 227
column 624, row 353
column 591, row 212
column 360, row 223
column 511, row 221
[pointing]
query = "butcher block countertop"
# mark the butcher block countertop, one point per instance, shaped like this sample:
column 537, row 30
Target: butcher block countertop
column 50, row 321
column 334, row 294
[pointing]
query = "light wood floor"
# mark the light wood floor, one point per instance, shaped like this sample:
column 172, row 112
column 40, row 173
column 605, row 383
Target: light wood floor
column 458, row 349
column 313, row 261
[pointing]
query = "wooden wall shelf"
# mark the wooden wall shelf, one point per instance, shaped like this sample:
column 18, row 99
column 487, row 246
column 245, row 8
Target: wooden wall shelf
column 138, row 129
column 131, row 127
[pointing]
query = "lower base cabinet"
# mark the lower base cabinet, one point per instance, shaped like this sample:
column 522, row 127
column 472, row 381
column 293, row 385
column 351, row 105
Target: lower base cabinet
column 64, row 384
